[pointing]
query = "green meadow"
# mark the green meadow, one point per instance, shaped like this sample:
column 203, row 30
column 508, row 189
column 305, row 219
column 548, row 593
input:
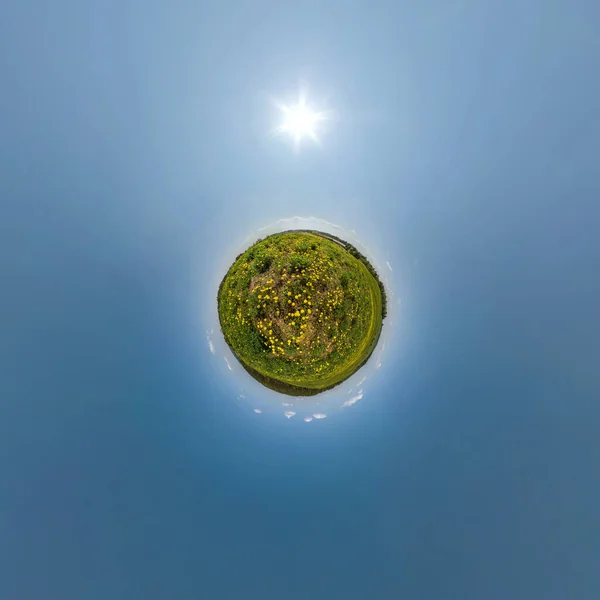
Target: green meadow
column 301, row 311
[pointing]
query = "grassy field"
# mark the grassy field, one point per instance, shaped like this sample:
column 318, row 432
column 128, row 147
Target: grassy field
column 300, row 312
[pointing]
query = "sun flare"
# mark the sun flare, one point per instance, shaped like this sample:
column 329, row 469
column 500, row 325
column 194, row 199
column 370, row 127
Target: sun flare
column 300, row 121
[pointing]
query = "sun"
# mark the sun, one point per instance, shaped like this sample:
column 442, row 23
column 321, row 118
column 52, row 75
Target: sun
column 300, row 121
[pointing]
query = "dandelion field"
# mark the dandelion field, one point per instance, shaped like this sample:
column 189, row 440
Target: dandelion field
column 301, row 311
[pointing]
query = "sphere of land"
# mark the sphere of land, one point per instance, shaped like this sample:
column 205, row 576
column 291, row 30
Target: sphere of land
column 301, row 311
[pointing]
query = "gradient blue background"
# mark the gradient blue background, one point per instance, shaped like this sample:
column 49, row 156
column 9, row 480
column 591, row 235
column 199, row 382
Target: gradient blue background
column 132, row 144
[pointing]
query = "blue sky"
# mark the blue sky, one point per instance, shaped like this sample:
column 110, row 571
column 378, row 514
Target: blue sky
column 134, row 152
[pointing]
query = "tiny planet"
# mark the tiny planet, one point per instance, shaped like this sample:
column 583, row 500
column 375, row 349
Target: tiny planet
column 302, row 311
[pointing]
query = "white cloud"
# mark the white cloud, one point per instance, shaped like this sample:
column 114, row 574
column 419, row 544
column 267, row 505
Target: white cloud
column 289, row 414
column 353, row 400
column 287, row 404
column 228, row 365
column 380, row 355
column 361, row 381
column 319, row 415
column 389, row 266
column 257, row 411
column 211, row 346
column 308, row 419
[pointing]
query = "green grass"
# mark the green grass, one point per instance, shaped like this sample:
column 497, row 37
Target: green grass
column 302, row 311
